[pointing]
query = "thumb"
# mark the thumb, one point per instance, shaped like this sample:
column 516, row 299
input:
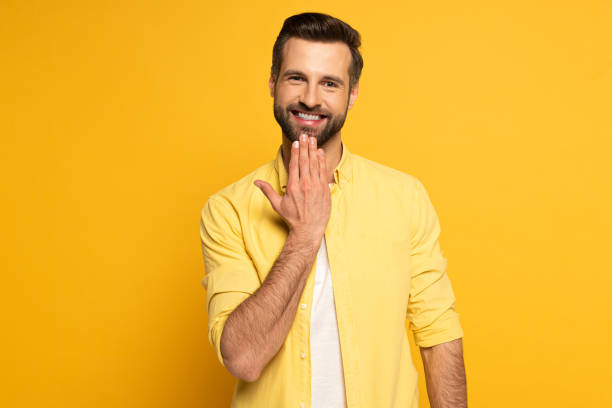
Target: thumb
column 269, row 192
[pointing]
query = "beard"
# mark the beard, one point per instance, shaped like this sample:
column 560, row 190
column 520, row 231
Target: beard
column 333, row 123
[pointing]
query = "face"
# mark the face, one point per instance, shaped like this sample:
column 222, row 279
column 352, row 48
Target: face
column 311, row 93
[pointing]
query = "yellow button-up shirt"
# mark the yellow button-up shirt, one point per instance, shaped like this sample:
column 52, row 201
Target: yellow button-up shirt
column 386, row 265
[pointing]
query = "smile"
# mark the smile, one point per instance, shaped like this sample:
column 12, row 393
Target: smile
column 308, row 118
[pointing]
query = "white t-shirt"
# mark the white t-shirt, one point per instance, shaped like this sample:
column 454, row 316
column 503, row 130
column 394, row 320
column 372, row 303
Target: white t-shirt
column 327, row 383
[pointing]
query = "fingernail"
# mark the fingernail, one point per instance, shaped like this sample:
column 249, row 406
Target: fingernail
column 303, row 137
column 312, row 141
column 296, row 144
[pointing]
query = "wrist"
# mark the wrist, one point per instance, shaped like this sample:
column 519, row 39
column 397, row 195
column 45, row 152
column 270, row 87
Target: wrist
column 306, row 240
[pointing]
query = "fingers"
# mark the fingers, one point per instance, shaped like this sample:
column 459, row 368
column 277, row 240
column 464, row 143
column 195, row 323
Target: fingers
column 313, row 158
column 304, row 165
column 269, row 192
column 304, row 162
column 293, row 163
column 322, row 166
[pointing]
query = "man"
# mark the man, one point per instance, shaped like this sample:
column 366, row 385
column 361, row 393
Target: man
column 311, row 278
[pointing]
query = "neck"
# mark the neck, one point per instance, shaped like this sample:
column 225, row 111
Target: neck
column 333, row 154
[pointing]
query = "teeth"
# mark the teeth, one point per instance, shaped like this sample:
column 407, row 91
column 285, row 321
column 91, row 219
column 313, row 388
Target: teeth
column 308, row 117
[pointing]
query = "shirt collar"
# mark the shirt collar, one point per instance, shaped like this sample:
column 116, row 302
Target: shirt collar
column 342, row 173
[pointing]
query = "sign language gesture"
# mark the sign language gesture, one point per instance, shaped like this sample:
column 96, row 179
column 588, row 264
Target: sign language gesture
column 306, row 205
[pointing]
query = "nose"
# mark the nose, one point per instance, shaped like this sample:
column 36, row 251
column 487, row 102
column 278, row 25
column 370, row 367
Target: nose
column 310, row 96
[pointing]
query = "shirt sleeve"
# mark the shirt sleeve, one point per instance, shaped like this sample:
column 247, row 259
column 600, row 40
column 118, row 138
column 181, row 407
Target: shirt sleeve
column 431, row 306
column 230, row 276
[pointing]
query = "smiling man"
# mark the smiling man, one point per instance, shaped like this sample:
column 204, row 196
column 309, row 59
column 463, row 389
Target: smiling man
column 316, row 260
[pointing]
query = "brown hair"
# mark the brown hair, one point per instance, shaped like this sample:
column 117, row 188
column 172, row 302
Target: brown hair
column 319, row 27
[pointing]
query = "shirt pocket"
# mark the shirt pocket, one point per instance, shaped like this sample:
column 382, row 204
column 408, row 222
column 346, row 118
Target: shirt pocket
column 389, row 264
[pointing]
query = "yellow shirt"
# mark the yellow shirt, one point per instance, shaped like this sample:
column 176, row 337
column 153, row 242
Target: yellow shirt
column 386, row 265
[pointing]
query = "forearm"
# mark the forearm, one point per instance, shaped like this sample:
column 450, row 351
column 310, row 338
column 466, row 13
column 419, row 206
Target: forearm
column 445, row 374
column 257, row 328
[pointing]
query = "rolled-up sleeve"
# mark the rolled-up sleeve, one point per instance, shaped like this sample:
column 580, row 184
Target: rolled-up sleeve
column 431, row 306
column 230, row 276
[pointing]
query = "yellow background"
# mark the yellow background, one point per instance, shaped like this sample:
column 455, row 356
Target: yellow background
column 120, row 118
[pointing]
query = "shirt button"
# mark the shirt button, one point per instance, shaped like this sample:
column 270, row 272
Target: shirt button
column 303, row 305
column 303, row 355
column 302, row 405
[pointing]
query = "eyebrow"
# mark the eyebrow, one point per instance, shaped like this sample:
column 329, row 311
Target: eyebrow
column 326, row 77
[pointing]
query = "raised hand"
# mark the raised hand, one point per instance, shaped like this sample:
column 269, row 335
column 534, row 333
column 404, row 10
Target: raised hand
column 306, row 205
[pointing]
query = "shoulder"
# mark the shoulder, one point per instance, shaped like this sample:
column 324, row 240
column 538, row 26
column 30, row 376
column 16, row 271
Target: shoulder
column 236, row 195
column 381, row 174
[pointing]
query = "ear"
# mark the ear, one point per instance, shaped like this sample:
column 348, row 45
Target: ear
column 353, row 95
column 271, row 86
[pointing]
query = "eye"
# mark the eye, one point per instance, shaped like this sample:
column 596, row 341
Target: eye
column 333, row 84
column 295, row 77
